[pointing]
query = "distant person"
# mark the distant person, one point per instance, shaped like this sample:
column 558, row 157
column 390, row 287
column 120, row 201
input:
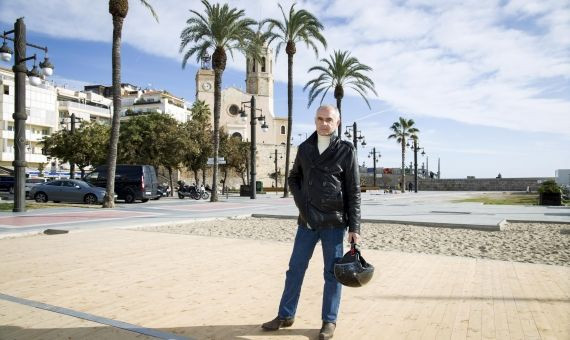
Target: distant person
column 410, row 186
column 499, row 175
column 325, row 183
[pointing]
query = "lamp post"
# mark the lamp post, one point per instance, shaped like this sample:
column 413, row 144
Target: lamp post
column 275, row 160
column 415, row 147
column 374, row 159
column 63, row 122
column 354, row 134
column 253, row 122
column 20, row 72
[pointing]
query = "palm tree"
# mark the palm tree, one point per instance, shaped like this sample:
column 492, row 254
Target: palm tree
column 119, row 10
column 201, row 115
column 340, row 71
column 299, row 26
column 222, row 29
column 403, row 129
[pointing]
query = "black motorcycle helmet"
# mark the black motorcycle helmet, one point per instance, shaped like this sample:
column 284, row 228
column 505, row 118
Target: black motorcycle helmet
column 352, row 270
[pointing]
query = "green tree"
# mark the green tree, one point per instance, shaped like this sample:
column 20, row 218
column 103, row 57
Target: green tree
column 402, row 130
column 199, row 131
column 339, row 71
column 298, row 26
column 236, row 153
column 86, row 147
column 150, row 139
column 118, row 9
column 222, row 29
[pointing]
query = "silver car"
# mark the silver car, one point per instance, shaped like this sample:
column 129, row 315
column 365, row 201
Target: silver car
column 67, row 190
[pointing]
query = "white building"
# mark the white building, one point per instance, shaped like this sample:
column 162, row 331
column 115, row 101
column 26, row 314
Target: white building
column 147, row 101
column 41, row 107
column 87, row 106
column 49, row 108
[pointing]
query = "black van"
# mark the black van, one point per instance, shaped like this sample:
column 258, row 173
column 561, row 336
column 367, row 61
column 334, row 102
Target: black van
column 132, row 182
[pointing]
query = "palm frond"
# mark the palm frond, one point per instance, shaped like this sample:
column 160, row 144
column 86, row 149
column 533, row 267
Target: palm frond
column 149, row 7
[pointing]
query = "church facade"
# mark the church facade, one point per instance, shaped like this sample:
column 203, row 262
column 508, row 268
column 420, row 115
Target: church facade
column 259, row 83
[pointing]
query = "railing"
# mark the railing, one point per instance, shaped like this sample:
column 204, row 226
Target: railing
column 86, row 107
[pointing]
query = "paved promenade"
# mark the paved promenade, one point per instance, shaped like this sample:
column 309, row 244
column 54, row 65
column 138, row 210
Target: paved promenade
column 104, row 281
column 425, row 208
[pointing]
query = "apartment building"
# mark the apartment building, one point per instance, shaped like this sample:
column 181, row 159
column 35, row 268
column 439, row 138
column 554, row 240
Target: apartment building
column 49, row 108
column 87, row 106
column 41, row 107
column 136, row 101
column 146, row 101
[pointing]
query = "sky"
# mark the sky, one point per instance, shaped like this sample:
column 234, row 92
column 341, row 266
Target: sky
column 486, row 82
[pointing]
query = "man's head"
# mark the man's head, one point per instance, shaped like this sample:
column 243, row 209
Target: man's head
column 327, row 120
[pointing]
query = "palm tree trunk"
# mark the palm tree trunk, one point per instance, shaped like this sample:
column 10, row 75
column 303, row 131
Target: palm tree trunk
column 196, row 179
column 217, row 105
column 403, row 177
column 204, row 175
column 289, row 120
column 338, row 106
column 109, row 200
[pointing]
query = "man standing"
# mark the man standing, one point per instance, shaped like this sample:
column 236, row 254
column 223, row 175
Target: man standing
column 325, row 184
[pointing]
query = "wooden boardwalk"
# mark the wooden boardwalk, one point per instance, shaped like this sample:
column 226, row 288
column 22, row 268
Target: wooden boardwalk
column 215, row 288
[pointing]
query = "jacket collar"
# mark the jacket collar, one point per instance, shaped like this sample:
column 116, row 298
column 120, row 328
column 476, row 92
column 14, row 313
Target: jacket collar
column 312, row 142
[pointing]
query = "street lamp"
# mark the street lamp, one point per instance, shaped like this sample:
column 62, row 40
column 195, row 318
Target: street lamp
column 63, row 122
column 275, row 160
column 35, row 77
column 415, row 147
column 375, row 158
column 354, row 136
column 253, row 147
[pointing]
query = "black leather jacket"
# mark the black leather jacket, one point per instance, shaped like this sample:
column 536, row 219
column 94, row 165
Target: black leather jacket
column 326, row 187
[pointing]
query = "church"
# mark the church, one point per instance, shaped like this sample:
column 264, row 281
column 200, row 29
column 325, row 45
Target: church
column 259, row 83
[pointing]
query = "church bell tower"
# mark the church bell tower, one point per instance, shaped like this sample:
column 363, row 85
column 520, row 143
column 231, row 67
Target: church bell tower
column 259, row 74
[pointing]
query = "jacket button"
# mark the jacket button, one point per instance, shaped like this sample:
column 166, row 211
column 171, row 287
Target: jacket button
column 310, row 182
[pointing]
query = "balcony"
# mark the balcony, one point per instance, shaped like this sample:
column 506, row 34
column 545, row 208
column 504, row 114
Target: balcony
column 91, row 109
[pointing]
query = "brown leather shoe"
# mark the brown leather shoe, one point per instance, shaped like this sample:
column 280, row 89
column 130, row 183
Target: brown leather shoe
column 327, row 331
column 277, row 323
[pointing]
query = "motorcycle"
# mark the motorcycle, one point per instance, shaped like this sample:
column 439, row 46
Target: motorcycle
column 185, row 190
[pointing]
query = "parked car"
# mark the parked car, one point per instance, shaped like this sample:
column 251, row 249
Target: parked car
column 32, row 182
column 67, row 190
column 7, row 183
column 132, row 182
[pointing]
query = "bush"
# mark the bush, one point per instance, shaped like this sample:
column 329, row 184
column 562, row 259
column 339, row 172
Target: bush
column 549, row 187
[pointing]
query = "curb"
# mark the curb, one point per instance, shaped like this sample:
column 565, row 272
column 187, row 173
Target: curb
column 481, row 227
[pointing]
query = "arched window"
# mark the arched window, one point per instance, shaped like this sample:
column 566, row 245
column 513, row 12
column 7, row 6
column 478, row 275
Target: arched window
column 253, row 65
column 237, row 135
column 263, row 64
column 282, row 129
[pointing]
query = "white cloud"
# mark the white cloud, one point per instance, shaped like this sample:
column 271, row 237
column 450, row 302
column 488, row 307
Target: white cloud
column 476, row 61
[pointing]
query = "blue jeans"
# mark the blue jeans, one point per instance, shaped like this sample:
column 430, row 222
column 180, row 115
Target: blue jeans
column 305, row 242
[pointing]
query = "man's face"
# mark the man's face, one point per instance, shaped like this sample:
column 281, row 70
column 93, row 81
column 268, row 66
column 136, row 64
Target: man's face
column 326, row 121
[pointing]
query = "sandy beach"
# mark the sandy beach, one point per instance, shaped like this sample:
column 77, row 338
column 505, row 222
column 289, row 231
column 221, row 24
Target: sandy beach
column 519, row 242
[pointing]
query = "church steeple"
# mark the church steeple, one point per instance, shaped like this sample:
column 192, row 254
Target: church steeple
column 259, row 74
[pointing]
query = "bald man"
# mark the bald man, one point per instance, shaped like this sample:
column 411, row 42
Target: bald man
column 325, row 184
